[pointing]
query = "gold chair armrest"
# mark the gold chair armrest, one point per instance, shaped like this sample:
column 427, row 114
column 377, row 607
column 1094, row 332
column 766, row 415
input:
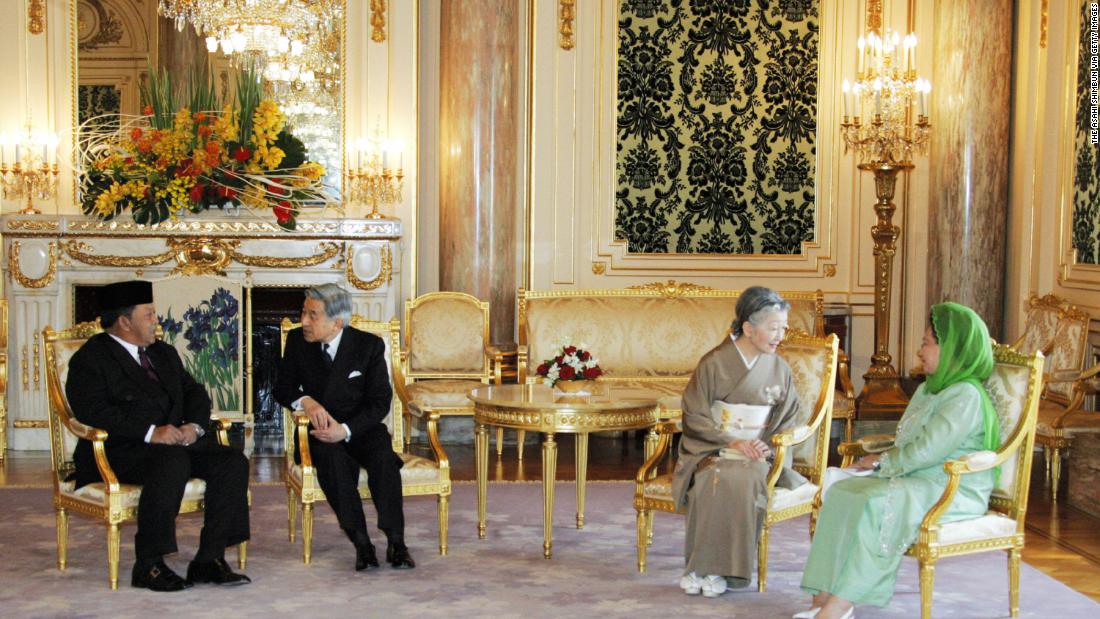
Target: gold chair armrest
column 433, row 440
column 843, row 374
column 664, row 432
column 399, row 384
column 221, row 428
column 98, row 438
column 521, row 364
column 496, row 362
column 871, row 444
column 301, row 431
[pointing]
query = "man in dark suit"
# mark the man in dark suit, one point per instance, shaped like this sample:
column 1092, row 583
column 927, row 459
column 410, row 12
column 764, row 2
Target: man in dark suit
column 158, row 421
column 338, row 376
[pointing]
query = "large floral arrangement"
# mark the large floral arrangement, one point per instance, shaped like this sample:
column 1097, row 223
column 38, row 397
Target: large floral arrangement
column 205, row 154
column 570, row 363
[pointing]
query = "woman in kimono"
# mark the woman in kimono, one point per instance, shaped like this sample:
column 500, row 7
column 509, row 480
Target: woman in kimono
column 867, row 523
column 721, row 472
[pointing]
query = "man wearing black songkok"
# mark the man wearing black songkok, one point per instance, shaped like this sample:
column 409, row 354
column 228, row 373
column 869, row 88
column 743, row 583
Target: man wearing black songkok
column 158, row 420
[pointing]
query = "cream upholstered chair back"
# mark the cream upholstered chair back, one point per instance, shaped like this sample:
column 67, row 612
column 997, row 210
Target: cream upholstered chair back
column 445, row 336
column 1014, row 388
column 1068, row 350
column 1040, row 323
column 653, row 331
column 390, row 333
column 813, row 363
column 60, row 346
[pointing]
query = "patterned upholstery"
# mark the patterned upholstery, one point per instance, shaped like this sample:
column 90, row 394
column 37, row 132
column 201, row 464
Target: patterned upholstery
column 446, row 333
column 1040, row 324
column 1077, row 422
column 1068, row 351
column 419, row 476
column 813, row 362
column 1007, row 387
column 441, row 392
column 110, row 502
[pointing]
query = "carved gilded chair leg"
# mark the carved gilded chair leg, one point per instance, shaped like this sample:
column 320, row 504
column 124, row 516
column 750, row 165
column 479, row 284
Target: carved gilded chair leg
column 408, row 428
column 242, row 554
column 1055, row 469
column 500, row 441
column 642, row 541
column 1046, row 460
column 762, row 560
column 649, row 527
column 291, row 514
column 848, row 429
column 521, row 435
column 444, row 512
column 927, row 582
column 307, row 532
column 62, row 537
column 1014, row 582
column 112, row 554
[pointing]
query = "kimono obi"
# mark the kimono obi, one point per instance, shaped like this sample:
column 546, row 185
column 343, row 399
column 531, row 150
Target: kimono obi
column 741, row 422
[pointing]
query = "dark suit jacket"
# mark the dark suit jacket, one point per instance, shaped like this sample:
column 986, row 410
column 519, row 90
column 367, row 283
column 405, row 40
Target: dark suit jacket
column 107, row 389
column 361, row 401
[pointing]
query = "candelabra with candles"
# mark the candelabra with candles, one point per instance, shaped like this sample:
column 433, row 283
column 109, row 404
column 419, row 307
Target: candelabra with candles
column 373, row 181
column 33, row 172
column 886, row 83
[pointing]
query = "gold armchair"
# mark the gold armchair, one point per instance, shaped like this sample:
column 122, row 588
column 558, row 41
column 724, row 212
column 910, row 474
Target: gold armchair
column 419, row 476
column 1066, row 386
column 1014, row 388
column 109, row 501
column 1040, row 324
column 813, row 362
column 446, row 355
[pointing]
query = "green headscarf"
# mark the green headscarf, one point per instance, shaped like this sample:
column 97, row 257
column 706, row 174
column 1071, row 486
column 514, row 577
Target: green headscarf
column 966, row 355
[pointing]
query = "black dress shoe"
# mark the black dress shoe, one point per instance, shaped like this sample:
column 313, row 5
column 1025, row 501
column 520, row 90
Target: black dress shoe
column 365, row 557
column 157, row 577
column 397, row 555
column 216, row 572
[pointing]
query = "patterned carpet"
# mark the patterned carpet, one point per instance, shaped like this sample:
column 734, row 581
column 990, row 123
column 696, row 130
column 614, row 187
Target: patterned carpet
column 592, row 572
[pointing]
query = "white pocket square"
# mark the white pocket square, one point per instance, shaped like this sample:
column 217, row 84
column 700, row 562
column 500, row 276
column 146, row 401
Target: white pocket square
column 355, row 373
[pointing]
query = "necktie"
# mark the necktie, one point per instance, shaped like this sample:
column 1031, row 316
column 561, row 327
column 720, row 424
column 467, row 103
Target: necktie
column 326, row 356
column 146, row 365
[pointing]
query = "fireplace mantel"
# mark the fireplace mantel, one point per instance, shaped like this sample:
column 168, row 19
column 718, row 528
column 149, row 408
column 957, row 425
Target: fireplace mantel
column 46, row 256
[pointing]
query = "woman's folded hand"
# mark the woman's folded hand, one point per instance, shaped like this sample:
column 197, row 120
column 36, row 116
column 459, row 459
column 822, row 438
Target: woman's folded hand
column 754, row 449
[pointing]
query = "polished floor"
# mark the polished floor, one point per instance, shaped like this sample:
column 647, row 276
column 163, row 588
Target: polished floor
column 1062, row 540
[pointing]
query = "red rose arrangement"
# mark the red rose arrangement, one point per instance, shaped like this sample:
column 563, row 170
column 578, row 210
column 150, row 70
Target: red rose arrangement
column 570, row 363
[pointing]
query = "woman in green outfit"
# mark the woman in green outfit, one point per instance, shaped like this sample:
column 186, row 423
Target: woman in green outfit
column 867, row 523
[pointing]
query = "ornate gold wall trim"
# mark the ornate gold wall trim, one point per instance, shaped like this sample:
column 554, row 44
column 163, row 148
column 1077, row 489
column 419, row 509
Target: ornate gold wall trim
column 671, row 288
column 599, row 267
column 36, row 16
column 35, row 225
column 874, row 15
column 1044, row 23
column 566, row 15
column 202, row 256
column 79, row 251
column 327, row 252
column 383, row 277
column 17, row 272
column 27, row 424
column 378, row 20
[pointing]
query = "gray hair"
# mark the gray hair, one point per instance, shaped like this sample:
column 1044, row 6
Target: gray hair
column 754, row 303
column 337, row 301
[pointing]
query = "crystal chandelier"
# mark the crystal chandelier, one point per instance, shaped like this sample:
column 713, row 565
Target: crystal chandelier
column 885, row 90
column 255, row 30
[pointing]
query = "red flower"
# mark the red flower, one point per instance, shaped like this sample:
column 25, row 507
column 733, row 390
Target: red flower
column 135, row 133
column 278, row 190
column 543, row 370
column 144, row 146
column 242, row 154
column 227, row 192
column 591, row 373
column 147, row 110
column 584, row 355
column 566, row 373
column 569, row 350
column 282, row 211
column 197, row 191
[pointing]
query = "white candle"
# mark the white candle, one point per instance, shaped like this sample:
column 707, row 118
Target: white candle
column 385, row 157
column 401, row 160
column 845, row 88
column 3, row 148
column 860, row 44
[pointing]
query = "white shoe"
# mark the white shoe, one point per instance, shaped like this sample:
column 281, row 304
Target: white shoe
column 691, row 584
column 807, row 614
column 714, row 586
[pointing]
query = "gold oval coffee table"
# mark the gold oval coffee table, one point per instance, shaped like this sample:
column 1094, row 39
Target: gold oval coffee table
column 538, row 408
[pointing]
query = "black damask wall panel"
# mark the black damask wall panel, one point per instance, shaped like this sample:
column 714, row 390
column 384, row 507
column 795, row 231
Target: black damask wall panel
column 717, row 114
column 1086, row 178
